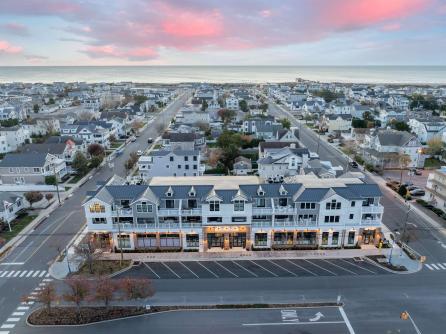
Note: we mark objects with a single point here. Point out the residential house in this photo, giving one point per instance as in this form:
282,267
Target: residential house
242,166
170,163
183,141
11,203
337,123
91,132
436,188
12,138
427,128
31,168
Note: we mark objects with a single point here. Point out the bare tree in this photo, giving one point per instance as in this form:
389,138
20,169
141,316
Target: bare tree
47,296
33,197
89,251
137,288
78,291
404,161
85,116
105,290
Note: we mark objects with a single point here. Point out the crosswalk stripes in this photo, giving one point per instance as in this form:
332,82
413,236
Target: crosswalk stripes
435,266
23,274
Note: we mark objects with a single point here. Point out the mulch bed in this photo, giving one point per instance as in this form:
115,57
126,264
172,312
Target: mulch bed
386,264
60,316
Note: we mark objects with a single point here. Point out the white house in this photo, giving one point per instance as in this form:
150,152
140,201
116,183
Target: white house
12,138
10,204
232,103
428,128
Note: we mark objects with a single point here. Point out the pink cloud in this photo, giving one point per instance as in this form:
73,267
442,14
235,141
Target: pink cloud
111,51
138,29
391,27
15,28
8,48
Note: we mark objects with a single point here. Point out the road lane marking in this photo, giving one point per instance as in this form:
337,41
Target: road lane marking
434,266
262,267
225,268
294,323
23,308
8,326
148,267
12,319
12,263
249,271
353,264
283,268
334,264
4,274
190,270
15,314
4,332
208,269
441,266
303,268
316,265
17,273
173,272
30,273
428,266
23,273
347,322
23,250
42,274
11,273
36,273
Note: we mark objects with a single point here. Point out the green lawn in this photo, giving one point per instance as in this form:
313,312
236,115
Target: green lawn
433,163
76,179
17,226
116,144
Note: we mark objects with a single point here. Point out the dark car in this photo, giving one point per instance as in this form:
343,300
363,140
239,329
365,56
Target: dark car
353,164
150,141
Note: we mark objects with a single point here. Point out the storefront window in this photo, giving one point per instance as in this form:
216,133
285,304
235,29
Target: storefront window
283,238
261,239
192,240
335,238
351,237
170,240
325,238
123,241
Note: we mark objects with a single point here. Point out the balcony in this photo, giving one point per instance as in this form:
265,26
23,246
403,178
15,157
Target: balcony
370,222
123,212
284,223
191,225
169,212
191,212
261,224
284,210
262,211
373,209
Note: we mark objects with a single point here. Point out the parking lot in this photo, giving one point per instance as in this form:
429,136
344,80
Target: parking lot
254,269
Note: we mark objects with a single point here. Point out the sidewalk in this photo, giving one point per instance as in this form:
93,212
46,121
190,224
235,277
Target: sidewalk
249,255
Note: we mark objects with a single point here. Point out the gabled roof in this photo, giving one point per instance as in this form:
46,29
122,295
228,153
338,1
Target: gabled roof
55,149
24,160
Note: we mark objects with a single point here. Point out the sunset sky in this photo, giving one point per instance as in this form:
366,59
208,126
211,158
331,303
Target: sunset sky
222,32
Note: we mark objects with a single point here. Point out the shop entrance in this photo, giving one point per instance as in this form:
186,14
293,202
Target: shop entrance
237,240
216,240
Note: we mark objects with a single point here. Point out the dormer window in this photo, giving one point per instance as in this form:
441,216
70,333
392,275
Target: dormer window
169,192
260,191
282,190
192,192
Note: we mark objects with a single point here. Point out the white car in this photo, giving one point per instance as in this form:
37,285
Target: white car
139,153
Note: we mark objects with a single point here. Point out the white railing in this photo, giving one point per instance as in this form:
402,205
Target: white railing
123,212
261,224
191,212
370,222
373,209
284,209
191,225
260,211
169,212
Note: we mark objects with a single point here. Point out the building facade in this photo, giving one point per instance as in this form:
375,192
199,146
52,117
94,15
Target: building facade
211,213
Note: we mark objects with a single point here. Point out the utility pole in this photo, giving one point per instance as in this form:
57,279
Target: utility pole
403,236
57,182
119,236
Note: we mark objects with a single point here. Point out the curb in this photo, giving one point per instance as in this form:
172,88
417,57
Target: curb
194,309
406,272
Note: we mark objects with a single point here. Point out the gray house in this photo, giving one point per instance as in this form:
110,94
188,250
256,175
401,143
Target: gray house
31,168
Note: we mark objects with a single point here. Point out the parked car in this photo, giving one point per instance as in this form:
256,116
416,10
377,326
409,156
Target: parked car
139,153
353,164
417,192
133,139
150,140
410,188
416,171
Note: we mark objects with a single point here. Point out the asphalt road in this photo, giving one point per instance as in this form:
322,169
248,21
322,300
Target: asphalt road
424,238
44,243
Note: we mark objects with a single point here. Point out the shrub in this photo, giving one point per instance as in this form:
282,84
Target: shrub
421,202
50,180
402,190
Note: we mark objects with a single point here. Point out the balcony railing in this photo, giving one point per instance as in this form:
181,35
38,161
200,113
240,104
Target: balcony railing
123,212
284,209
370,222
169,212
191,212
373,209
262,211
261,224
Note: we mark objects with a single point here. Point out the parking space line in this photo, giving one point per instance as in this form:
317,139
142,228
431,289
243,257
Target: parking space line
208,269
335,265
225,268
249,271
148,267
316,265
355,265
258,265
189,270
173,272
278,265
347,322
303,268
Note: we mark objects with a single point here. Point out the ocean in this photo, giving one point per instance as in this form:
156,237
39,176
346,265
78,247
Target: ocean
226,74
